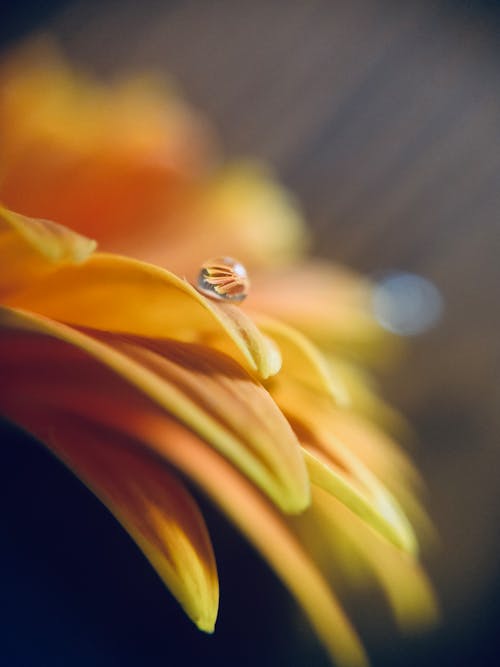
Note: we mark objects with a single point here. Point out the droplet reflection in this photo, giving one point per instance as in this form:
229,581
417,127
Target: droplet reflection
224,279
406,304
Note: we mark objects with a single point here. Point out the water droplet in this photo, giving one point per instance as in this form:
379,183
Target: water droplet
224,279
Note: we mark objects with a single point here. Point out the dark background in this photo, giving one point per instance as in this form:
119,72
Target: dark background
383,117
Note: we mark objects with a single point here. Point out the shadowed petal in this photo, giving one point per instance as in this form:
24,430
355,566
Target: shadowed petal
152,505
203,388
109,402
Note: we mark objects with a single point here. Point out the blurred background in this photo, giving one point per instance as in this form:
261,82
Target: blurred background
383,118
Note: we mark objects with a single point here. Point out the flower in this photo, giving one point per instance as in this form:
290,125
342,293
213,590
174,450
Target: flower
131,376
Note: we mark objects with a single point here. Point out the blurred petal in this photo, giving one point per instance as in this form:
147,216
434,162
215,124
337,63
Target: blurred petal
115,161
120,294
364,398
330,304
254,212
400,575
377,450
106,160
202,388
386,461
30,248
240,211
302,362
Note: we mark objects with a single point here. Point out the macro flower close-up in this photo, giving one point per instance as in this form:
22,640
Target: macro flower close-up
177,346
128,373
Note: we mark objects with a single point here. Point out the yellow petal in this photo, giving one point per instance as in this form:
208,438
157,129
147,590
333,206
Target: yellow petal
378,509
241,211
151,504
334,464
201,387
31,248
405,584
330,304
301,361
371,445
260,220
365,398
388,462
120,294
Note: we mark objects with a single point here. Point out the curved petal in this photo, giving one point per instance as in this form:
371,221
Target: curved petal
31,248
203,388
387,462
120,294
406,586
108,402
336,466
376,508
151,504
301,361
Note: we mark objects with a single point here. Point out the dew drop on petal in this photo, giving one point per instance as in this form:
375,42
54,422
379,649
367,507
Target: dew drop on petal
224,279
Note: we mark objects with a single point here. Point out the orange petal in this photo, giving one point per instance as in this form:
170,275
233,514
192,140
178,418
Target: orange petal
106,160
30,248
120,294
152,505
203,388
104,399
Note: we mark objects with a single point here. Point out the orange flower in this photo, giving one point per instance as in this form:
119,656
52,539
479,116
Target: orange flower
130,375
